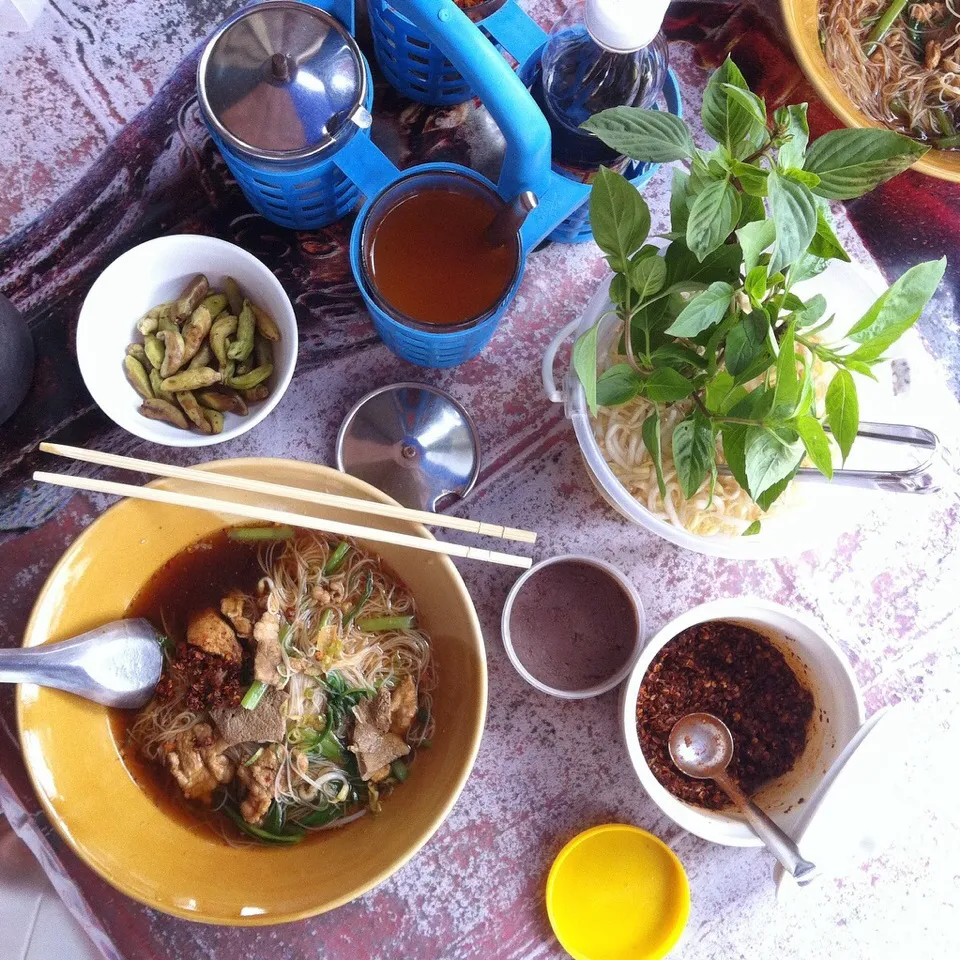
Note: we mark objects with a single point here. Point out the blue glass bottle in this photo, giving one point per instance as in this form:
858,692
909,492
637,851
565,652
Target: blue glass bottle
600,54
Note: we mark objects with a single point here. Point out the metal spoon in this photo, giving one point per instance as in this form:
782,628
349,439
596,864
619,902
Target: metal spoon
118,664
701,746
509,219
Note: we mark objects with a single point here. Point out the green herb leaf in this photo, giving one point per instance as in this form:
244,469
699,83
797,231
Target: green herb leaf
619,216
843,411
773,493
749,101
679,200
722,264
666,385
650,432
806,267
713,217
896,310
817,445
754,239
652,136
755,285
770,455
794,211
807,314
851,163
752,530
648,276
703,311
752,179
585,363
787,387
751,210
727,120
677,356
794,120
746,343
722,393
805,177
694,450
617,385
825,243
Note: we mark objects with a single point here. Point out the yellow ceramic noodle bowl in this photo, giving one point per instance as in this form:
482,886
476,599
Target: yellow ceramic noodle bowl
112,824
801,18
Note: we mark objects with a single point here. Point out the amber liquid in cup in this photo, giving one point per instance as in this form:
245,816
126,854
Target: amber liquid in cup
428,259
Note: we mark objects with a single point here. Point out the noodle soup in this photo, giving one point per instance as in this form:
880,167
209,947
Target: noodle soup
296,689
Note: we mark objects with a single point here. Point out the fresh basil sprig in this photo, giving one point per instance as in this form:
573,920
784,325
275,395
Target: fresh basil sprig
713,322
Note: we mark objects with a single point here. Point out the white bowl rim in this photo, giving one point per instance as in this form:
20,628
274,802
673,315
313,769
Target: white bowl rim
189,438
726,608
604,685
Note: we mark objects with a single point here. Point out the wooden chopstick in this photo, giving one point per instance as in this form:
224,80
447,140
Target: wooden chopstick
291,493
94,485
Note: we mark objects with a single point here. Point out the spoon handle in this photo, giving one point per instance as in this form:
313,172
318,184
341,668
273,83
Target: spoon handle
775,840
47,666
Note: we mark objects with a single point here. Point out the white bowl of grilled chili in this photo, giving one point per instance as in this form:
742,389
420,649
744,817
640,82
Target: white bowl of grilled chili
761,704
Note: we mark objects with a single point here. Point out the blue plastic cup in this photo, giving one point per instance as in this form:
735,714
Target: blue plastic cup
428,344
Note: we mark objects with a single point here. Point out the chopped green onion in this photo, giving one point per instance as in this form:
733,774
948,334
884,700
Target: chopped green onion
399,769
364,597
321,817
426,744
290,836
336,559
253,695
381,624
252,760
330,746
261,533
883,25
273,821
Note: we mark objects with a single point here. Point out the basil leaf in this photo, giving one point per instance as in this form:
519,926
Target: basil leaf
650,432
805,177
679,200
851,163
652,136
722,264
750,102
825,243
677,356
722,393
617,385
752,530
766,499
816,444
755,285
843,411
703,311
806,267
619,216
752,179
794,211
618,289
754,239
751,209
713,217
794,120
667,386
727,120
770,455
787,387
810,312
746,343
694,449
585,363
648,276
896,310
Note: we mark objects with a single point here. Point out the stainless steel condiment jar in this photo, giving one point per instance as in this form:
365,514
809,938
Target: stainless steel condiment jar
283,87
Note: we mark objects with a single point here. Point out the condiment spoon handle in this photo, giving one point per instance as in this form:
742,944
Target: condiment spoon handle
775,840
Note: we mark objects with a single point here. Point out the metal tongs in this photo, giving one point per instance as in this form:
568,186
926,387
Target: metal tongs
920,478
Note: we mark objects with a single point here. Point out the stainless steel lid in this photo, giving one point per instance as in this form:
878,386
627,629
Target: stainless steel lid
413,442
282,80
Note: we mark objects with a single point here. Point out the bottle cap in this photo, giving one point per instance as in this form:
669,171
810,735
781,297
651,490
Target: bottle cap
624,26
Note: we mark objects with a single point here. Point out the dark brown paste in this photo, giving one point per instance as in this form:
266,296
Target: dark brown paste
738,675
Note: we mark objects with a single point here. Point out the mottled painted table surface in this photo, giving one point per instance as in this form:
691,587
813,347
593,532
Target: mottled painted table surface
86,175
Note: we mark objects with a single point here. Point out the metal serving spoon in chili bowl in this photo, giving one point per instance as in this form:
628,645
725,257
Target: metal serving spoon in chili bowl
117,665
701,746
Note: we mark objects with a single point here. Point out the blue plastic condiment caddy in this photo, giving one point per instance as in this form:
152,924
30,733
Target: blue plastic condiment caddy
317,182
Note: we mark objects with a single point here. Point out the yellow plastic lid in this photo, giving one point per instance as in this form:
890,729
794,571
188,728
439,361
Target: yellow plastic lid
616,892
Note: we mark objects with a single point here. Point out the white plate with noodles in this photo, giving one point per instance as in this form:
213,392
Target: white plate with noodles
623,473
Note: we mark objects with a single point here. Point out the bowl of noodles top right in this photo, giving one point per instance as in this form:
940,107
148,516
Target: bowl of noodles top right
908,82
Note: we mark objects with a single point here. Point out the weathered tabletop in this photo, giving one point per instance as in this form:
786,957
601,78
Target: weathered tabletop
99,176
